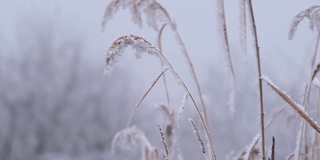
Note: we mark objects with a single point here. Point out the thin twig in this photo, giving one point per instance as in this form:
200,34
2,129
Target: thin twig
144,95
273,149
260,80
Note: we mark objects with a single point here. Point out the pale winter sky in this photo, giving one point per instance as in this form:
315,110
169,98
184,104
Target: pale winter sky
196,23
273,19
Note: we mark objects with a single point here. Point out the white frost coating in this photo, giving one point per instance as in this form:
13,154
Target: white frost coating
312,13
276,88
155,14
181,109
153,11
243,28
267,79
226,49
115,5
296,106
128,138
197,134
250,147
140,46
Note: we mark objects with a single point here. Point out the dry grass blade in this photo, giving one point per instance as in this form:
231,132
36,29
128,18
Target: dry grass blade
160,35
226,47
197,134
293,104
160,48
145,94
166,153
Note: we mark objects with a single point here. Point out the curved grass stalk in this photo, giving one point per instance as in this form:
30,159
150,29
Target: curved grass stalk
144,95
154,13
164,75
140,45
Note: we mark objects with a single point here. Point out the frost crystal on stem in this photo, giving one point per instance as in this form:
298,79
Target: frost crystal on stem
292,103
139,44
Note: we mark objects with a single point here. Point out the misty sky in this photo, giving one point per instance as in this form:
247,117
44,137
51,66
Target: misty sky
196,23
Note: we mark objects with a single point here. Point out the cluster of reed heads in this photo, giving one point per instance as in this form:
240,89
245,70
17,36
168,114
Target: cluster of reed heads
158,18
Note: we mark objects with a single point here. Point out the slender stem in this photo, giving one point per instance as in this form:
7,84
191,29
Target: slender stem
308,90
214,157
205,125
315,52
213,154
185,52
164,75
260,82
186,55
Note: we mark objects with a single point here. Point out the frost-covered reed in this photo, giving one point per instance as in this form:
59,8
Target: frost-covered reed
158,18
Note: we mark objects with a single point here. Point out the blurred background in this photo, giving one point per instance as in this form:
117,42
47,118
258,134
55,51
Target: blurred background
57,104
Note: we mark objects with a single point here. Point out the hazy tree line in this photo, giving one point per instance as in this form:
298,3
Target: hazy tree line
52,100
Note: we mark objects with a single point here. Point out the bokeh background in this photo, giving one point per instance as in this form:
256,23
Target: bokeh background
57,104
